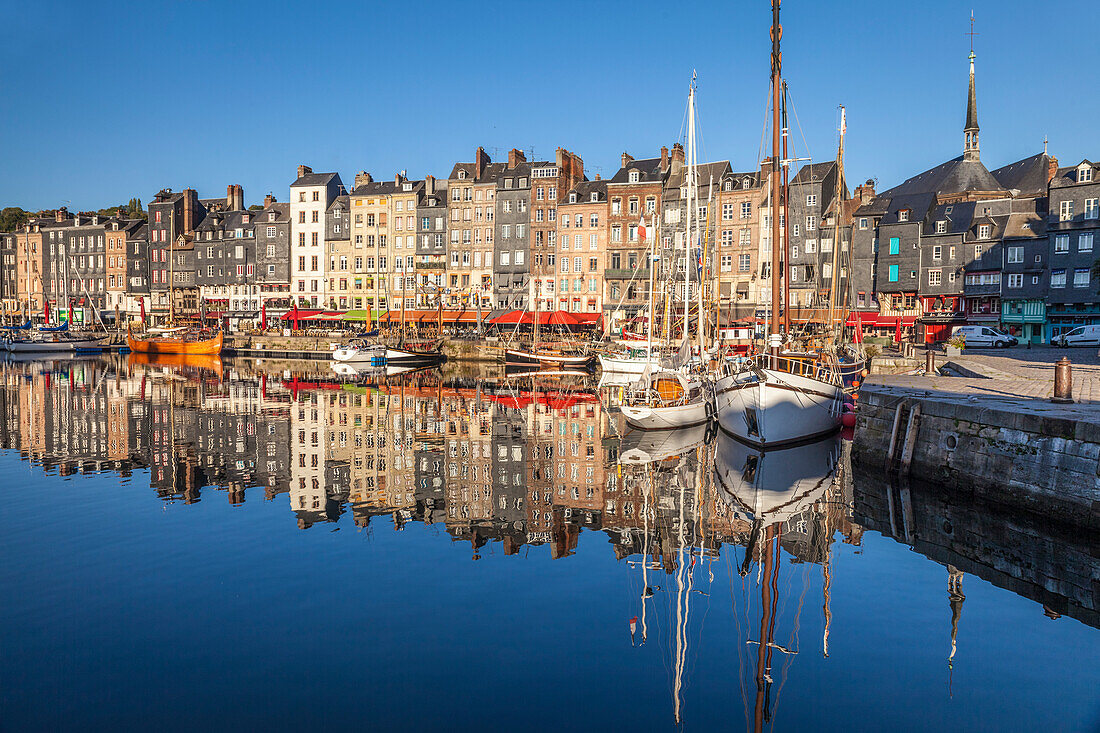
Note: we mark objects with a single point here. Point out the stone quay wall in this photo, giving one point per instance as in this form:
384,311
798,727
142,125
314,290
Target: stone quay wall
1039,458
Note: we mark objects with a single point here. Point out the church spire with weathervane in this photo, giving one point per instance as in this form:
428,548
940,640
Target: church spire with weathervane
970,132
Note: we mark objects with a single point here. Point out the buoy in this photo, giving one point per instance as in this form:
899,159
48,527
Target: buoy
848,419
855,395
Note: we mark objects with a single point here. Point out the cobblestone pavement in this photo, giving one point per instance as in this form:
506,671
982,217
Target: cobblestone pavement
1011,373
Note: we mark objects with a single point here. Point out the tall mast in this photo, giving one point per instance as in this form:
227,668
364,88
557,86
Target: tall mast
775,330
690,202
834,293
649,266
786,225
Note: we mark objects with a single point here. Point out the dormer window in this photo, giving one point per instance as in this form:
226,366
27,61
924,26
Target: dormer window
271,216
595,196
572,198
244,218
903,215
745,183
1084,174
406,187
461,175
984,231
727,186
634,176
941,227
986,210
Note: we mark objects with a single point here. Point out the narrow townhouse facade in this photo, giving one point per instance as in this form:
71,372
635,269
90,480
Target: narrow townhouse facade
738,207
680,258
118,232
172,219
551,268
403,203
472,208
340,258
9,293
225,264
582,237
633,192
1024,274
311,195
512,246
813,208
431,246
273,256
138,271
1072,230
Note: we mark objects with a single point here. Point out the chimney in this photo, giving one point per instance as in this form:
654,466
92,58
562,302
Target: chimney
515,157
677,158
303,170
234,198
397,179
362,178
1052,168
625,159
664,158
597,176
189,197
865,192
59,215
429,184
268,200
481,159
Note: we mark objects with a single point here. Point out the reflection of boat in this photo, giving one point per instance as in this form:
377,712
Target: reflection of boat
647,446
419,353
182,341
211,362
770,486
358,370
548,357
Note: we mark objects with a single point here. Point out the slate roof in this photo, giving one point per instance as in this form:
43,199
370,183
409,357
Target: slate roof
706,172
813,173
955,176
585,189
649,170
1028,176
1067,176
315,179
491,173
343,201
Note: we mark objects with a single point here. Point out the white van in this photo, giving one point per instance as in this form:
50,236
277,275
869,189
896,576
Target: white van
984,336
1080,336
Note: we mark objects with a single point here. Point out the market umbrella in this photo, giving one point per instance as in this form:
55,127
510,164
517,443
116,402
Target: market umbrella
263,315
295,316
141,303
70,313
897,331
47,312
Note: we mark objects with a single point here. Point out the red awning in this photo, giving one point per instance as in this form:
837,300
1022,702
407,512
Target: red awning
302,315
430,316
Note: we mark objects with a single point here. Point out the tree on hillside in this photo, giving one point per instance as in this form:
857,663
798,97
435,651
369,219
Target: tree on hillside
136,210
11,218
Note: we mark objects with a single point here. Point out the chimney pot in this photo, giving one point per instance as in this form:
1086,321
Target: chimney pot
429,184
303,170
625,159
597,176
268,200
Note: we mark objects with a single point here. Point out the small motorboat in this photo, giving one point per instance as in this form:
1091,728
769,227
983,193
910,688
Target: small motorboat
358,351
667,399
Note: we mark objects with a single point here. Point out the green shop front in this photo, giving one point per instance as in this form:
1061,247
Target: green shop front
1024,319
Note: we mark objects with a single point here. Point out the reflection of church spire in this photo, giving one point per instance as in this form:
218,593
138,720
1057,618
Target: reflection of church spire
955,597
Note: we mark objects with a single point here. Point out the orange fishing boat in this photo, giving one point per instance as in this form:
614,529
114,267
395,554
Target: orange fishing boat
185,342
209,362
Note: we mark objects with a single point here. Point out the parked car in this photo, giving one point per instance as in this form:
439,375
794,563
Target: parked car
1080,336
984,336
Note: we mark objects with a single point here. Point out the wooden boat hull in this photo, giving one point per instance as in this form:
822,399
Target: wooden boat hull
62,346
408,356
777,408
210,362
169,345
515,356
626,365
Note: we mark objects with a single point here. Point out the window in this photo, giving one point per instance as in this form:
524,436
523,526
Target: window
1057,278
744,262
794,273
941,227
903,215
1091,210
1061,244
811,200
746,209
634,176
271,231
984,231
727,212
1081,278
505,258
937,252
811,223
1015,280
1015,255
895,245
1084,174
977,251
863,222
934,277
811,245
1065,210
893,277
1084,242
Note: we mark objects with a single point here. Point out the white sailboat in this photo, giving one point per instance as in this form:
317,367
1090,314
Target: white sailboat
776,399
671,397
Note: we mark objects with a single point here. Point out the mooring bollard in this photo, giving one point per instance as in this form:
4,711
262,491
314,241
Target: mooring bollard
929,363
1063,382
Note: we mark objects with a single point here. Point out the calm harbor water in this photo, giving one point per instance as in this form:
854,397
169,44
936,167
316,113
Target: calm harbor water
227,544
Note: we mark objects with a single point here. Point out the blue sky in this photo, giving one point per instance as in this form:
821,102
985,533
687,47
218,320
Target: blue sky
112,100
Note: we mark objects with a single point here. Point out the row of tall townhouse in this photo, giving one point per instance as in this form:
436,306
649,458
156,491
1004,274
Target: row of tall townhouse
955,244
